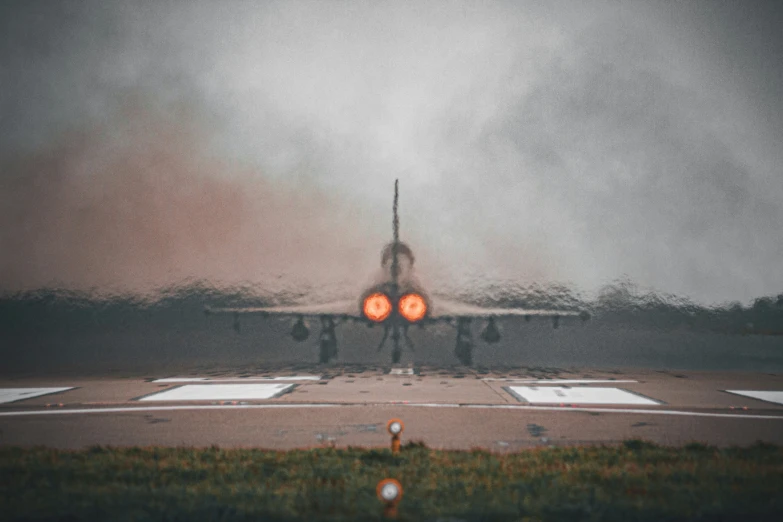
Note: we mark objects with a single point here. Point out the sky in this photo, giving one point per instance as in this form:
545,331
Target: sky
149,143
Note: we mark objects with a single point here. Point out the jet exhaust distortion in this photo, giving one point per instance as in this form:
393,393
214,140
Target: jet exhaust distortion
397,302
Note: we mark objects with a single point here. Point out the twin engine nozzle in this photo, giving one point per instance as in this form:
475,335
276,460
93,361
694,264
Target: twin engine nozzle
378,307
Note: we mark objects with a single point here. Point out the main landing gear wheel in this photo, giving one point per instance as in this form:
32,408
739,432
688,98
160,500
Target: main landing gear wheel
396,349
328,342
464,352
325,352
464,348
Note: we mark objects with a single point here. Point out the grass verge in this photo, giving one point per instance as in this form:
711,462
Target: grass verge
633,481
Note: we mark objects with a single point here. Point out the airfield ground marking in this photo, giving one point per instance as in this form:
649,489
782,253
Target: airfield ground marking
772,396
8,395
520,407
559,381
239,379
401,371
561,395
219,392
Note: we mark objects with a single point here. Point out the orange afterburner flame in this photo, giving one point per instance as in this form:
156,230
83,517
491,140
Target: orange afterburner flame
412,307
377,307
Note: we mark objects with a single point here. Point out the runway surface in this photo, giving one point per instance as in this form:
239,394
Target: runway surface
501,410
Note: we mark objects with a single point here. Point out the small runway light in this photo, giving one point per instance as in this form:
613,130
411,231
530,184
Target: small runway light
395,427
389,492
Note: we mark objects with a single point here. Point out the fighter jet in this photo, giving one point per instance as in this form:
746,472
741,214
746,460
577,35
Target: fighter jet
397,301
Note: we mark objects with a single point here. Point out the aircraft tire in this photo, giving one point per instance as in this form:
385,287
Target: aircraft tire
325,353
396,356
464,353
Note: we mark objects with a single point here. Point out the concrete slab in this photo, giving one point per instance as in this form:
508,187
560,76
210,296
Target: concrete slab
351,406
705,389
220,392
396,388
358,425
94,392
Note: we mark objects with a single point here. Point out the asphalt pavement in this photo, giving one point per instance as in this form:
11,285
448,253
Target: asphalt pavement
444,407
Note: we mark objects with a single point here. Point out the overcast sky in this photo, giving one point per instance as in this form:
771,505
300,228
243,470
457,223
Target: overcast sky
146,143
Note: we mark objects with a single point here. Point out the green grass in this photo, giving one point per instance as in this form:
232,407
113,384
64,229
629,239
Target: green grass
634,481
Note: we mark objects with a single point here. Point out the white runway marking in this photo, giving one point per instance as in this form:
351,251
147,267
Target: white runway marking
220,392
186,407
560,381
20,394
558,395
240,379
769,396
401,371
519,407
624,410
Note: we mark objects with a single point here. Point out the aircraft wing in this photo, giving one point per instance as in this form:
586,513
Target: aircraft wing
346,308
446,310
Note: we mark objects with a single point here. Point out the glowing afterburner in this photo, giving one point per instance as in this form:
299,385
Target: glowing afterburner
377,307
412,307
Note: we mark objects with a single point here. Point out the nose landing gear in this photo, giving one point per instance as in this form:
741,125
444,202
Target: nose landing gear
327,341
396,336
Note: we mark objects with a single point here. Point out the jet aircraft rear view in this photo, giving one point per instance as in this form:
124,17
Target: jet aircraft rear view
397,302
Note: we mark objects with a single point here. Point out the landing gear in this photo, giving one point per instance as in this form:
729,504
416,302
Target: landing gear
326,351
328,341
396,354
385,336
396,336
397,350
464,348
408,340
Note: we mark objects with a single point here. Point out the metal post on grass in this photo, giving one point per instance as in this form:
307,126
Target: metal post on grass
389,492
395,428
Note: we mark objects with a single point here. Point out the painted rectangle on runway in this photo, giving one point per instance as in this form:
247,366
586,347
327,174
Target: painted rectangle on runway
240,379
19,394
560,381
768,396
563,395
220,392
401,371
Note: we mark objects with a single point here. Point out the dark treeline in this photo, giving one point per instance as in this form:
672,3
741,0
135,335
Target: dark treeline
618,303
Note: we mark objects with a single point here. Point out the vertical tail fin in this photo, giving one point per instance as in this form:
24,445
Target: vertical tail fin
395,266
395,270
396,222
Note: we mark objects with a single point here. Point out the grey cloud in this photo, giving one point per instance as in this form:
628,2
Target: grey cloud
557,142
630,158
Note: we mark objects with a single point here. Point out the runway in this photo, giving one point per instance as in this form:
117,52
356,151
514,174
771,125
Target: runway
349,406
